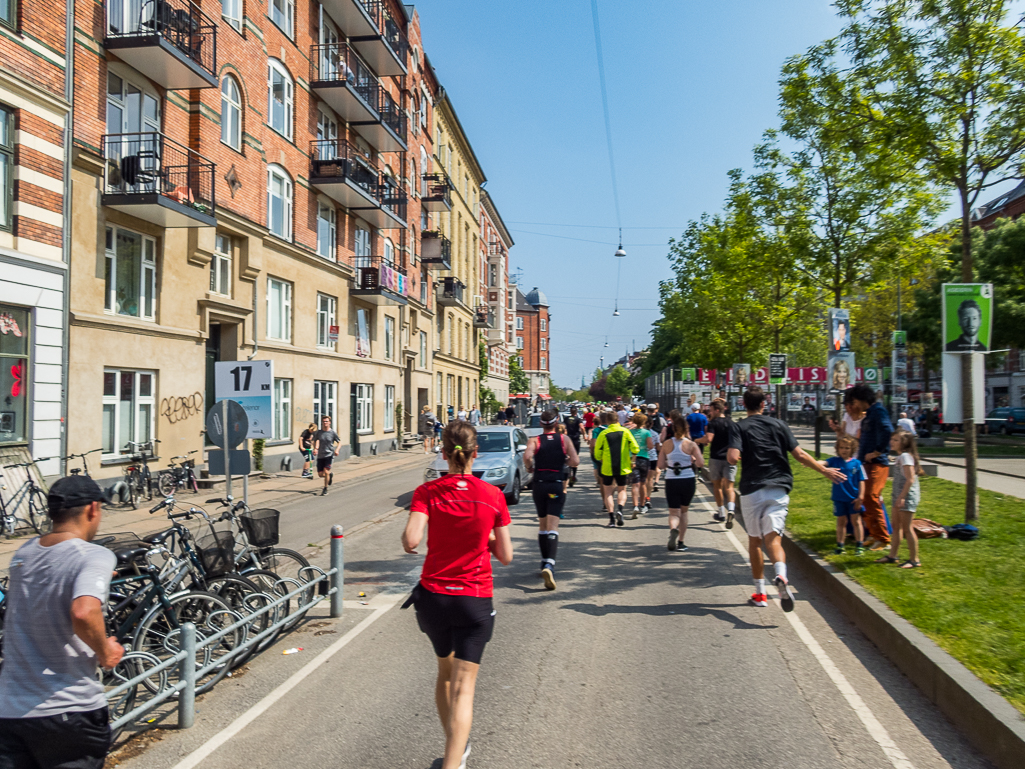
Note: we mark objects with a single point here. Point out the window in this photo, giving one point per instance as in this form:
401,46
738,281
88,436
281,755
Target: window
15,364
279,310
327,328
423,349
493,275
220,267
544,343
6,164
231,12
129,408
519,343
282,409
389,407
363,321
279,202
389,338
129,108
361,244
130,273
364,408
519,360
519,324
326,230
544,363
282,12
544,324
279,98
389,251
231,112
324,401
9,13
441,390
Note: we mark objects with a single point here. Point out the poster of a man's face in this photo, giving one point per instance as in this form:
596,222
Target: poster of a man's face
839,330
967,317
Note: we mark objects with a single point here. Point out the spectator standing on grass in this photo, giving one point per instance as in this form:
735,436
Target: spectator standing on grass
53,711
850,424
848,496
873,445
906,496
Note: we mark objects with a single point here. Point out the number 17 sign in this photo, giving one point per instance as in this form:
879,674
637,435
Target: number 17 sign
250,383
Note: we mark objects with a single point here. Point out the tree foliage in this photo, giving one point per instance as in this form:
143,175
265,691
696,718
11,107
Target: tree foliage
518,382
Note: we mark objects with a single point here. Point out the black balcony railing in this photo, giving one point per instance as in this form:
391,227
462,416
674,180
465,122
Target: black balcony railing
150,163
390,113
337,159
337,62
179,22
375,272
453,289
436,192
483,317
392,197
435,249
389,28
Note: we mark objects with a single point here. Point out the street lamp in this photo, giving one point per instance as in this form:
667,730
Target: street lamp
619,251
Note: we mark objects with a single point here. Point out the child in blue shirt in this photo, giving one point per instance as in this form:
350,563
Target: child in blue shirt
848,496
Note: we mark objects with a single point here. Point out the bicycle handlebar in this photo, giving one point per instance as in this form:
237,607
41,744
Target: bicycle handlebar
161,504
28,464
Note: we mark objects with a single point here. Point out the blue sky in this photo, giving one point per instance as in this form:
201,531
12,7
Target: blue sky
691,87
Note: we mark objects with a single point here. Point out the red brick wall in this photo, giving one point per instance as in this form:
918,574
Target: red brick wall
44,23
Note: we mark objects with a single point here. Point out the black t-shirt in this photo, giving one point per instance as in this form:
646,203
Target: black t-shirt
306,439
658,422
573,426
765,444
721,428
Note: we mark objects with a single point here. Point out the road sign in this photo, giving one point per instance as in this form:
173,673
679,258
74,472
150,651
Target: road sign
231,432
239,458
251,384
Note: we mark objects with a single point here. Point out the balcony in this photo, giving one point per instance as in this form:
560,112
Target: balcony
483,317
379,282
435,250
376,35
171,42
450,292
437,191
156,179
341,172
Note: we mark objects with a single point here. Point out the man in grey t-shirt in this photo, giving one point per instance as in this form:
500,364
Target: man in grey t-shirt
53,712
325,445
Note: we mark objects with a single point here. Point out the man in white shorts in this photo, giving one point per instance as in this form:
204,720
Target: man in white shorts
721,472
763,442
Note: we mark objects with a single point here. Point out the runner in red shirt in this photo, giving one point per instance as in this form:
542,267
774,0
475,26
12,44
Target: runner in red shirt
467,522
588,422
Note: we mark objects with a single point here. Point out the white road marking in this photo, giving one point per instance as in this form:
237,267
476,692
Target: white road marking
875,729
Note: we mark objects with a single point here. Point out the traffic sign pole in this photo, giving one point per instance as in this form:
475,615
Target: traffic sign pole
227,451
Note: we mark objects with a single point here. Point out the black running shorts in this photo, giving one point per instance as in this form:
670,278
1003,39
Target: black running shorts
679,492
619,479
549,497
68,741
324,463
640,472
455,623
575,440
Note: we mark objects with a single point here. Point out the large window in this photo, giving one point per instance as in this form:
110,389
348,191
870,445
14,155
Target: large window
389,407
423,349
327,328
544,343
389,338
519,343
279,310
282,13
544,324
282,409
519,324
324,401
14,368
326,230
279,202
220,266
361,242
544,363
231,12
130,273
6,164
364,408
129,408
280,94
231,111
441,390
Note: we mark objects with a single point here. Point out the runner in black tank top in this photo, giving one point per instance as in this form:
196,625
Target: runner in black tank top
547,455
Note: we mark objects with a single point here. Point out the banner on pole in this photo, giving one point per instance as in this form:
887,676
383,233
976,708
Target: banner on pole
777,369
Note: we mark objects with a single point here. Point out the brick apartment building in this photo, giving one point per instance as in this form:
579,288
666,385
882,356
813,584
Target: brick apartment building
533,327
251,182
495,243
35,108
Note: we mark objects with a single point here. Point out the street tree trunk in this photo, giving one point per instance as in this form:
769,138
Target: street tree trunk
971,448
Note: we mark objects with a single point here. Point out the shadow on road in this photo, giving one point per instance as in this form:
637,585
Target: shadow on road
665,610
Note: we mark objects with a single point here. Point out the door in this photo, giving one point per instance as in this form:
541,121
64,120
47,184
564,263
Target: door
407,399
353,434
213,355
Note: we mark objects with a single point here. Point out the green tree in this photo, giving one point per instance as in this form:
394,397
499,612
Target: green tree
619,383
518,382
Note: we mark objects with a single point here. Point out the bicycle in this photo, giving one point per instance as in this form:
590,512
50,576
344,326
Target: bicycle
183,475
138,478
29,493
84,469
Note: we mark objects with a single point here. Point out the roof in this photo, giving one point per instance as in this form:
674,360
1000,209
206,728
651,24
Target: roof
521,303
496,219
1000,202
537,298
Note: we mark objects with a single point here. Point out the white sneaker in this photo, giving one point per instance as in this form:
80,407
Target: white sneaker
636,512
466,753
786,598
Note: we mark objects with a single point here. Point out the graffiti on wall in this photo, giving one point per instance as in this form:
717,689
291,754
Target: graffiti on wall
180,408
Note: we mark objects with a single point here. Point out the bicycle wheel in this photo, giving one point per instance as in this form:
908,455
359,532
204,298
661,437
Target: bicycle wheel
271,585
246,597
283,562
159,632
39,512
193,483
133,664
166,484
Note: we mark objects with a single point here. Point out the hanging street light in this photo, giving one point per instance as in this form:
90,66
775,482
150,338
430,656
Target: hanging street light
619,251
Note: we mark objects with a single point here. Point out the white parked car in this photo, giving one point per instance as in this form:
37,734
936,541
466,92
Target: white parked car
499,461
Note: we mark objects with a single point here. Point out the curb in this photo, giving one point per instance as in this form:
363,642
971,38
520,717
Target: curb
985,718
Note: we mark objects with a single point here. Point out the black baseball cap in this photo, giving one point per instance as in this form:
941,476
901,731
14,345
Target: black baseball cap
73,491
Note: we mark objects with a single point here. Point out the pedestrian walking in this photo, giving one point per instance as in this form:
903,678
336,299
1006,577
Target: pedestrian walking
906,496
326,444
510,414
426,427
461,414
306,448
679,457
720,471
849,496
906,424
697,425
873,445
765,484
547,456
574,428
642,464
53,711
467,522
615,449
474,416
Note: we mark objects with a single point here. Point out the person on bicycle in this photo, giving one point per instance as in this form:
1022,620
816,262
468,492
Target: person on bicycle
306,448
53,711
326,443
467,522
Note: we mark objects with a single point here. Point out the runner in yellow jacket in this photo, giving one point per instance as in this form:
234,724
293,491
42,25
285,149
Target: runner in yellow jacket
615,449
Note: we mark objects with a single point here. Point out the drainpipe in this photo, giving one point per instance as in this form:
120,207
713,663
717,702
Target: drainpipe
69,129
256,341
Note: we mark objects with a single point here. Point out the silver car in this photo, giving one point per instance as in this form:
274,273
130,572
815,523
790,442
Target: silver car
499,461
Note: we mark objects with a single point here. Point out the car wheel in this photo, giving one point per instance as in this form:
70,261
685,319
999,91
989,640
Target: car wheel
513,495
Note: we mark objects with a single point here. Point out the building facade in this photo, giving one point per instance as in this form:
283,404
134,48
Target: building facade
35,109
533,329
495,242
251,185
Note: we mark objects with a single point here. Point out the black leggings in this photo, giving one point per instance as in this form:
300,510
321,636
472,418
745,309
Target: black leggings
455,623
679,492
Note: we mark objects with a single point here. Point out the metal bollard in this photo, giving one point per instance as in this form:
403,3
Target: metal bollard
187,672
337,563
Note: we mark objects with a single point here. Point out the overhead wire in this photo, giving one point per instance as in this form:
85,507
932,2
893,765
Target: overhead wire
605,108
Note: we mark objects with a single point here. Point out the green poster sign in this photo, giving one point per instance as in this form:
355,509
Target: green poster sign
967,317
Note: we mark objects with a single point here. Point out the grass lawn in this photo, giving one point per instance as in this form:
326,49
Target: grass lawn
968,597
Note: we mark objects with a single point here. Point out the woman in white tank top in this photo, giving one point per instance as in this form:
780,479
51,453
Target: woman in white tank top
679,457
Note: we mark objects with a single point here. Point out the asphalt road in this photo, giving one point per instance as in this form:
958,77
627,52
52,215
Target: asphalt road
641,658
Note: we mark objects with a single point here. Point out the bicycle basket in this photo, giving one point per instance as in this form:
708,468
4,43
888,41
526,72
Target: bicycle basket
122,540
261,526
216,552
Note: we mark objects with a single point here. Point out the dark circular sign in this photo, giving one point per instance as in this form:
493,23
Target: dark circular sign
236,427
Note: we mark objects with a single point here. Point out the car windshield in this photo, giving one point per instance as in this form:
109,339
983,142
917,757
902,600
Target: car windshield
535,421
493,443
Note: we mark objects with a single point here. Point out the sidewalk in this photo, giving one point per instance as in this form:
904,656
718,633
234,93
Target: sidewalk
271,491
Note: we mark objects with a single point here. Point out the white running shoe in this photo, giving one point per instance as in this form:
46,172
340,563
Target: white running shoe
786,598
466,753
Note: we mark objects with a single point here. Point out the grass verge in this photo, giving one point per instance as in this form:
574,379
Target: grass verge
967,597
994,452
